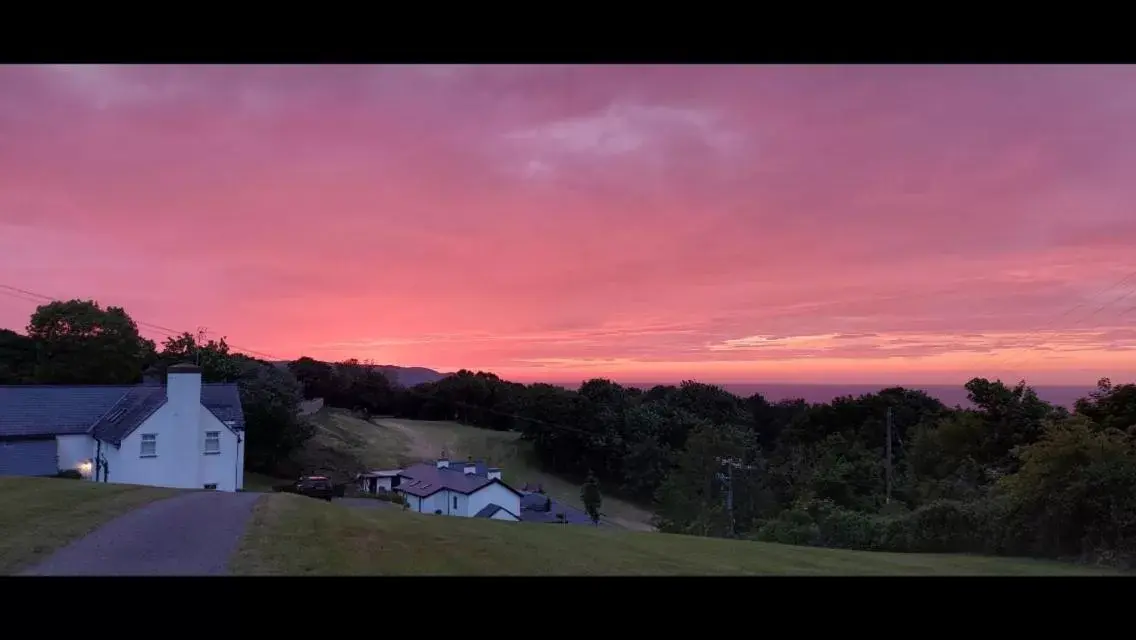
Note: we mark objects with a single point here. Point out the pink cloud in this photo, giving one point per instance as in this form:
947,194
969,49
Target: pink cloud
543,221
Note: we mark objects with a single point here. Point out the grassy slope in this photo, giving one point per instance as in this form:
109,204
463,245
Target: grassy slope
40,515
297,536
344,445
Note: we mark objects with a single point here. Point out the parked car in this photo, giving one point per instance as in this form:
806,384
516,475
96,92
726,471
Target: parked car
315,487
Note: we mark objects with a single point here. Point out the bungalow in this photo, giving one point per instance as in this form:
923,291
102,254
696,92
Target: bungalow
185,434
537,507
470,490
379,480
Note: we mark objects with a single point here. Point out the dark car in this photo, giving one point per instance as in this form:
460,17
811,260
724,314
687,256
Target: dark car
316,487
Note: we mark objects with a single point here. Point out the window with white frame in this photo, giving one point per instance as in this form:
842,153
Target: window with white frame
149,445
212,442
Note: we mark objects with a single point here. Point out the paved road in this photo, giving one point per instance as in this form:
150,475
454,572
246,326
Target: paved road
190,534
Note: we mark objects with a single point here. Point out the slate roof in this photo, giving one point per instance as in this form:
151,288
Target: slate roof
532,505
109,413
426,479
490,509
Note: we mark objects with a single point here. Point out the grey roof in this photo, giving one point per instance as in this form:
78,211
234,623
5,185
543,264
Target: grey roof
129,413
110,413
490,509
534,501
426,479
532,510
381,473
28,458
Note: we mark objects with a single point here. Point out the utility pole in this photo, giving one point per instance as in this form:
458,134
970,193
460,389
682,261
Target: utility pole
202,332
727,479
887,496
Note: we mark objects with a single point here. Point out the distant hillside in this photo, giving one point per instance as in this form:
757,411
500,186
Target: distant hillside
411,376
402,376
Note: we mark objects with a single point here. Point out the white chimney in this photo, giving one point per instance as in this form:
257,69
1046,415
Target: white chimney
183,389
494,474
443,463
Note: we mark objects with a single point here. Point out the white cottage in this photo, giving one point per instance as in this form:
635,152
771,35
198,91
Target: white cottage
184,434
469,490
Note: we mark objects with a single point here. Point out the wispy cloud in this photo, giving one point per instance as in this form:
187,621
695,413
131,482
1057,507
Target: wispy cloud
621,130
923,223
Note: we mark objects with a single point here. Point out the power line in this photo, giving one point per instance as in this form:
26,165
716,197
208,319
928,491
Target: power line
1050,326
32,296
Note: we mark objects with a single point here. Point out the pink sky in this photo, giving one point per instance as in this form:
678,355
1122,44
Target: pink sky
842,224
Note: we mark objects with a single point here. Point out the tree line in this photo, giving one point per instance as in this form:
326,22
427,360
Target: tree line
1012,474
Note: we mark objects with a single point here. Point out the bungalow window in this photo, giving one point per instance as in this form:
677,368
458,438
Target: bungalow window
212,442
149,445
455,502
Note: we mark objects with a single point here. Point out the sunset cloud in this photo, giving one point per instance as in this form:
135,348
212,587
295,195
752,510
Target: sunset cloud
734,223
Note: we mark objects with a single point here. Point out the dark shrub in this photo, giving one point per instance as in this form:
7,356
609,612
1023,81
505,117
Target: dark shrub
70,474
388,496
338,490
846,529
437,512
791,526
944,526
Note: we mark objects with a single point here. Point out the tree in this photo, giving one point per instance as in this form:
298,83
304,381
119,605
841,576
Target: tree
270,397
317,378
1111,406
216,362
590,496
1073,494
692,500
79,342
17,358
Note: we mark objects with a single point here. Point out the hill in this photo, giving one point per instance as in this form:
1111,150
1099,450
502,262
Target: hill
401,376
345,445
291,535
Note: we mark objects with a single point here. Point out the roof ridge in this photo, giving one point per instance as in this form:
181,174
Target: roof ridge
136,385
114,407
69,386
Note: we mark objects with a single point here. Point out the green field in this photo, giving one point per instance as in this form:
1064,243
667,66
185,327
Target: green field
291,535
40,515
345,445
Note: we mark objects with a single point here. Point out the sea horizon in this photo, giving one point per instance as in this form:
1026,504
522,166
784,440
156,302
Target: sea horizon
949,394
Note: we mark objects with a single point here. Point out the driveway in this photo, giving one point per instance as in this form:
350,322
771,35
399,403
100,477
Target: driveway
190,534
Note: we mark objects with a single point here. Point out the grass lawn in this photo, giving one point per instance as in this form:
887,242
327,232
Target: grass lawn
345,445
262,483
293,535
40,515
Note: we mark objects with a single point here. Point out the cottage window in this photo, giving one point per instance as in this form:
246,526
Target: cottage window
149,445
212,442
455,502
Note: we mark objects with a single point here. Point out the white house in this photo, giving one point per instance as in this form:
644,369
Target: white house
184,434
469,490
378,480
